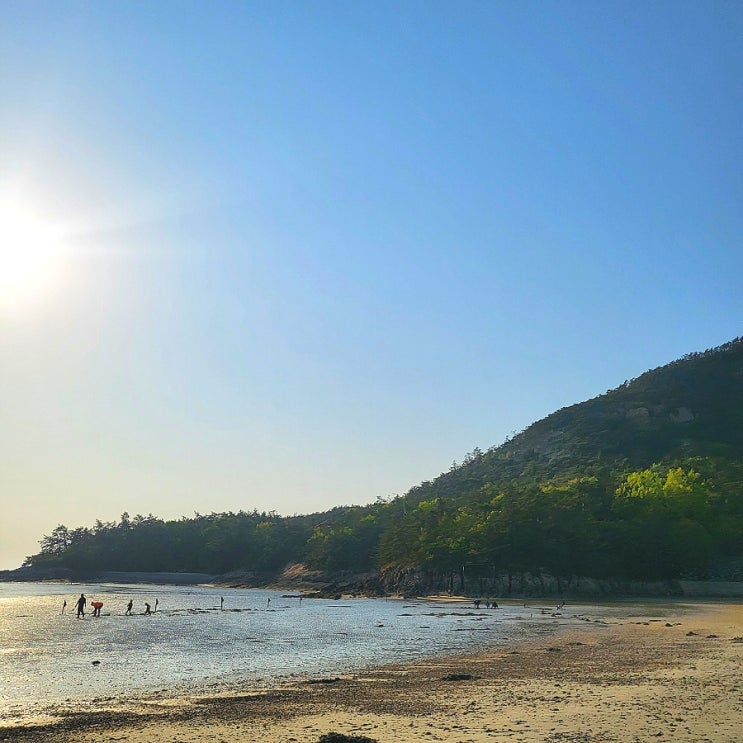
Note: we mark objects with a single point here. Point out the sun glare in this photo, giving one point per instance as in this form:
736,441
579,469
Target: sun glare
29,255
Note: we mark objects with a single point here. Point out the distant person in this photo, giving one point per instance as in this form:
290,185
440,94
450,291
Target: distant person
129,607
147,609
97,606
157,601
268,603
221,603
64,605
80,606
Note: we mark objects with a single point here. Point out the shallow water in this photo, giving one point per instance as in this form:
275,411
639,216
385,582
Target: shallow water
47,656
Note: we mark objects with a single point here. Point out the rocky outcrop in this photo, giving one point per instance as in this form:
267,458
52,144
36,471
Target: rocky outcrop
31,574
682,415
408,582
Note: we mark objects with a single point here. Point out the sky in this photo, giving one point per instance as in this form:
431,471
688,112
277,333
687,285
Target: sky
294,255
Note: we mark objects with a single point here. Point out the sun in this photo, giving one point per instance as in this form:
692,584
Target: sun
29,255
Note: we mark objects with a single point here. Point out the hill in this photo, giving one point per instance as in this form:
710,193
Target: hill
692,407
644,482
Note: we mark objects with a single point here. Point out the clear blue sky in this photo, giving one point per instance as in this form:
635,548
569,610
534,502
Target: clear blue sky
308,253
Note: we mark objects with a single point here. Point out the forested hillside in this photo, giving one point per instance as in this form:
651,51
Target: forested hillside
643,482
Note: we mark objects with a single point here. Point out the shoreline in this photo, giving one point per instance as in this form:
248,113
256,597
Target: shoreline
631,679
332,586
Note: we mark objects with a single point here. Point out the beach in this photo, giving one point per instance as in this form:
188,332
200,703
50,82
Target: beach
679,677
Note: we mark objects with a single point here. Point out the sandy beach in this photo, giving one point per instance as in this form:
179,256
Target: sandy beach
677,678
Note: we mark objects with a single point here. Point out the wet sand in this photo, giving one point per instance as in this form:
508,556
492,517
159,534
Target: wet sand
679,678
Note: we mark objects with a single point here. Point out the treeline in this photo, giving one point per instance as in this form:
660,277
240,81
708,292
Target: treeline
214,543
680,519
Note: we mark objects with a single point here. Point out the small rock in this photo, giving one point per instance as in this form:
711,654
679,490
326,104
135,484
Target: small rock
341,738
458,677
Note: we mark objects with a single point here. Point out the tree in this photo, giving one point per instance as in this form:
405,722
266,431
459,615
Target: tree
57,542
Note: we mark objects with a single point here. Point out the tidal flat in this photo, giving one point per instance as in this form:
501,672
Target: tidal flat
261,663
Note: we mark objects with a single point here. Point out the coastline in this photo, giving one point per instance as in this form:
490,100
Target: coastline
320,584
678,678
